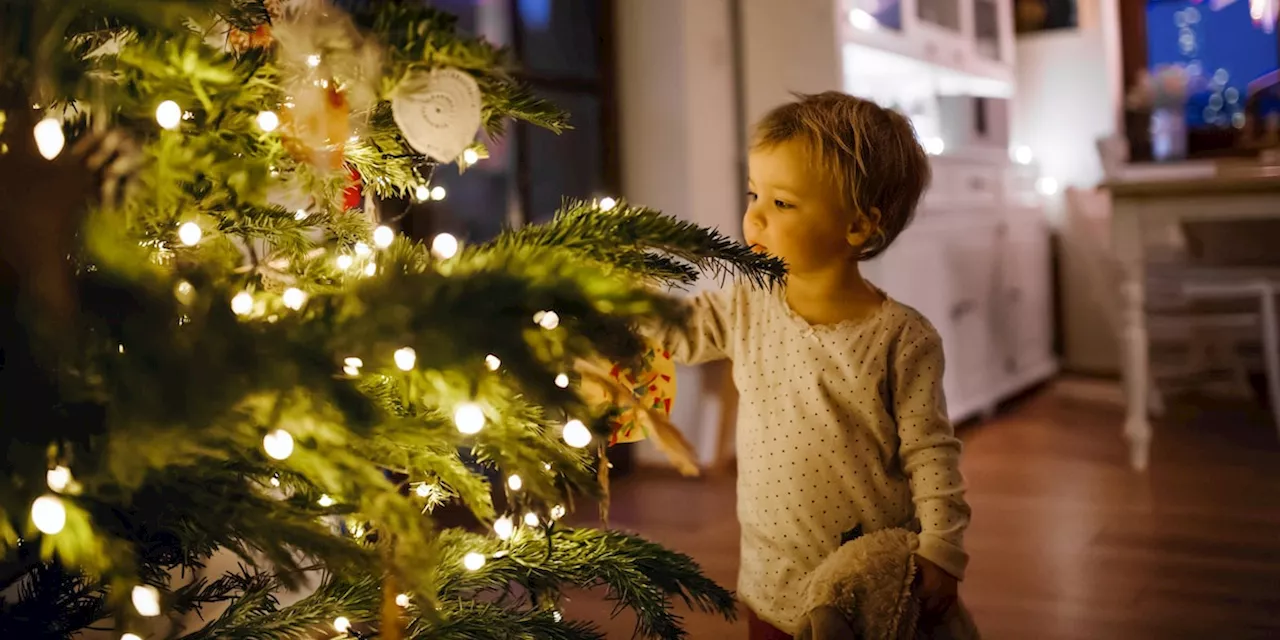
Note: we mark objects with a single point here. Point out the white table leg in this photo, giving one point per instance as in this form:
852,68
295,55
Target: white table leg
1137,371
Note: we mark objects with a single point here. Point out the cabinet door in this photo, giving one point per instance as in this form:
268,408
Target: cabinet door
971,270
1027,317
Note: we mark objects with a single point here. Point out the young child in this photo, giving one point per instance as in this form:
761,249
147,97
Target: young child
842,425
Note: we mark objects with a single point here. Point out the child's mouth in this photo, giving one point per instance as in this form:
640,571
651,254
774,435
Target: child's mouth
759,248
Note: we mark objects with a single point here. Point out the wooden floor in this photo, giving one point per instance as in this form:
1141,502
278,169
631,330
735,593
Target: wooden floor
1066,542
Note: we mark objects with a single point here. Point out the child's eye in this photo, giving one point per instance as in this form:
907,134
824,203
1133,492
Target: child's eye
782,205
751,195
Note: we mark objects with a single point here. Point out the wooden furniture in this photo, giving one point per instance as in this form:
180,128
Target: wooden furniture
1148,211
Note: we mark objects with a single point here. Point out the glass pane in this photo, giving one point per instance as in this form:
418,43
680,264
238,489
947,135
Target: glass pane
943,13
868,14
560,37
569,165
476,204
487,18
986,25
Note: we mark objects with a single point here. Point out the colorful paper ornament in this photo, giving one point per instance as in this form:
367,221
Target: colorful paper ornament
654,387
438,111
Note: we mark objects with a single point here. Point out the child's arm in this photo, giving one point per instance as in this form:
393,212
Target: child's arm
929,449
704,334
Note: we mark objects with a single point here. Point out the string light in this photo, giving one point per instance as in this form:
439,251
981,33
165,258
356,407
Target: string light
268,121
342,624
371,269
469,418
402,600
405,358
470,157
48,514
548,320
422,193
383,236
242,303
438,193
557,512
423,490
607,204
362,249
278,444
146,599
493,362
345,261
294,298
184,292
557,616
169,114
130,636
49,138
351,366
444,246
190,233
313,60
562,381
58,478
576,434
515,483
473,561
531,519
325,501
504,528
275,480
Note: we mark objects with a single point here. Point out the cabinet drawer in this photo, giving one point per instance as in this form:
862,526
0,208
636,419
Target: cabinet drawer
975,185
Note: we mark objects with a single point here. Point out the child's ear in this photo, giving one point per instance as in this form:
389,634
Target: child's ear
860,228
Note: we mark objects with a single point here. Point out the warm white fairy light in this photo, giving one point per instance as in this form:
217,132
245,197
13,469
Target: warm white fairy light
301,214
294,298
546,465
562,381
383,236
342,624
405,358
58,478
242,303
473,561
557,512
423,490
531,519
444,246
146,599
184,292
48,514
438,193
371,269
422,193
130,636
557,616
576,434
362,249
469,418
268,121
190,233
351,366
169,114
607,204
548,320
275,480
470,157
504,528
515,482
278,444
313,60
325,501
402,600
493,362
49,138
345,261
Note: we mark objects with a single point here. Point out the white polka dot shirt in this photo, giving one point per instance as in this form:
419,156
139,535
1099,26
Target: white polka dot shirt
839,426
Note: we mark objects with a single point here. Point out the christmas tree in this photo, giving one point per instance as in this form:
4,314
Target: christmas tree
211,347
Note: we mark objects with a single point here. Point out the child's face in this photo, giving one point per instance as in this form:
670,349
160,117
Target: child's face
792,213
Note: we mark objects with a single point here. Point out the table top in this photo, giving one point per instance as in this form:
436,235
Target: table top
1196,178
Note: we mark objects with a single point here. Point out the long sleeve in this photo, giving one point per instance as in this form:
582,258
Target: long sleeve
928,447
704,334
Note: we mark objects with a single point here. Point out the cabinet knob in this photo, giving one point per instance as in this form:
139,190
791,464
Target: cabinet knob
962,308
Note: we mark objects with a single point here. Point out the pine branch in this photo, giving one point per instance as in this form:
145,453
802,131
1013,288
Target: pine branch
482,621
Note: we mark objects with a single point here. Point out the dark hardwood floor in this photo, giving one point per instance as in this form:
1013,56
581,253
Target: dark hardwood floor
1066,542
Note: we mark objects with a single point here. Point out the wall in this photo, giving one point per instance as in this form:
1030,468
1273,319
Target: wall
788,47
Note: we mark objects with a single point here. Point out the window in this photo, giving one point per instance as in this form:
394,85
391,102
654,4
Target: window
564,49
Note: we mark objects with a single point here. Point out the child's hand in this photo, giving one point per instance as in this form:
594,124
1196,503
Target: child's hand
935,587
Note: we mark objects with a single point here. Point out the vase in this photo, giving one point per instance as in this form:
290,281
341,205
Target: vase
1169,134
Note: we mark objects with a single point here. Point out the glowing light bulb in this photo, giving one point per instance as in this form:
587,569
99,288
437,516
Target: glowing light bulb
515,483
576,434
48,514
371,269
146,599
405,358
313,60
1022,154
422,193
169,114
402,600
1047,186
190,234
607,204
423,490
493,362
325,501
353,362
473,561
275,481
531,519
438,193
58,478
933,146
362,249
444,246
130,636
470,157
342,624
49,138
242,303
268,121
504,528
294,298
549,320
562,381
345,261
557,512
469,418
383,236
278,444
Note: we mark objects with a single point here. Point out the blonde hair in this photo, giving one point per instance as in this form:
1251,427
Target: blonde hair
867,153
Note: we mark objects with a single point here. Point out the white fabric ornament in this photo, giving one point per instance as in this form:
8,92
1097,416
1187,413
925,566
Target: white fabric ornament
438,111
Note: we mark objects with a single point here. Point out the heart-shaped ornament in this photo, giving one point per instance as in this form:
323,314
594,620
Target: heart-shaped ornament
438,111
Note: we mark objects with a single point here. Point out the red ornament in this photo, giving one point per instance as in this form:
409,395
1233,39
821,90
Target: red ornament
353,195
